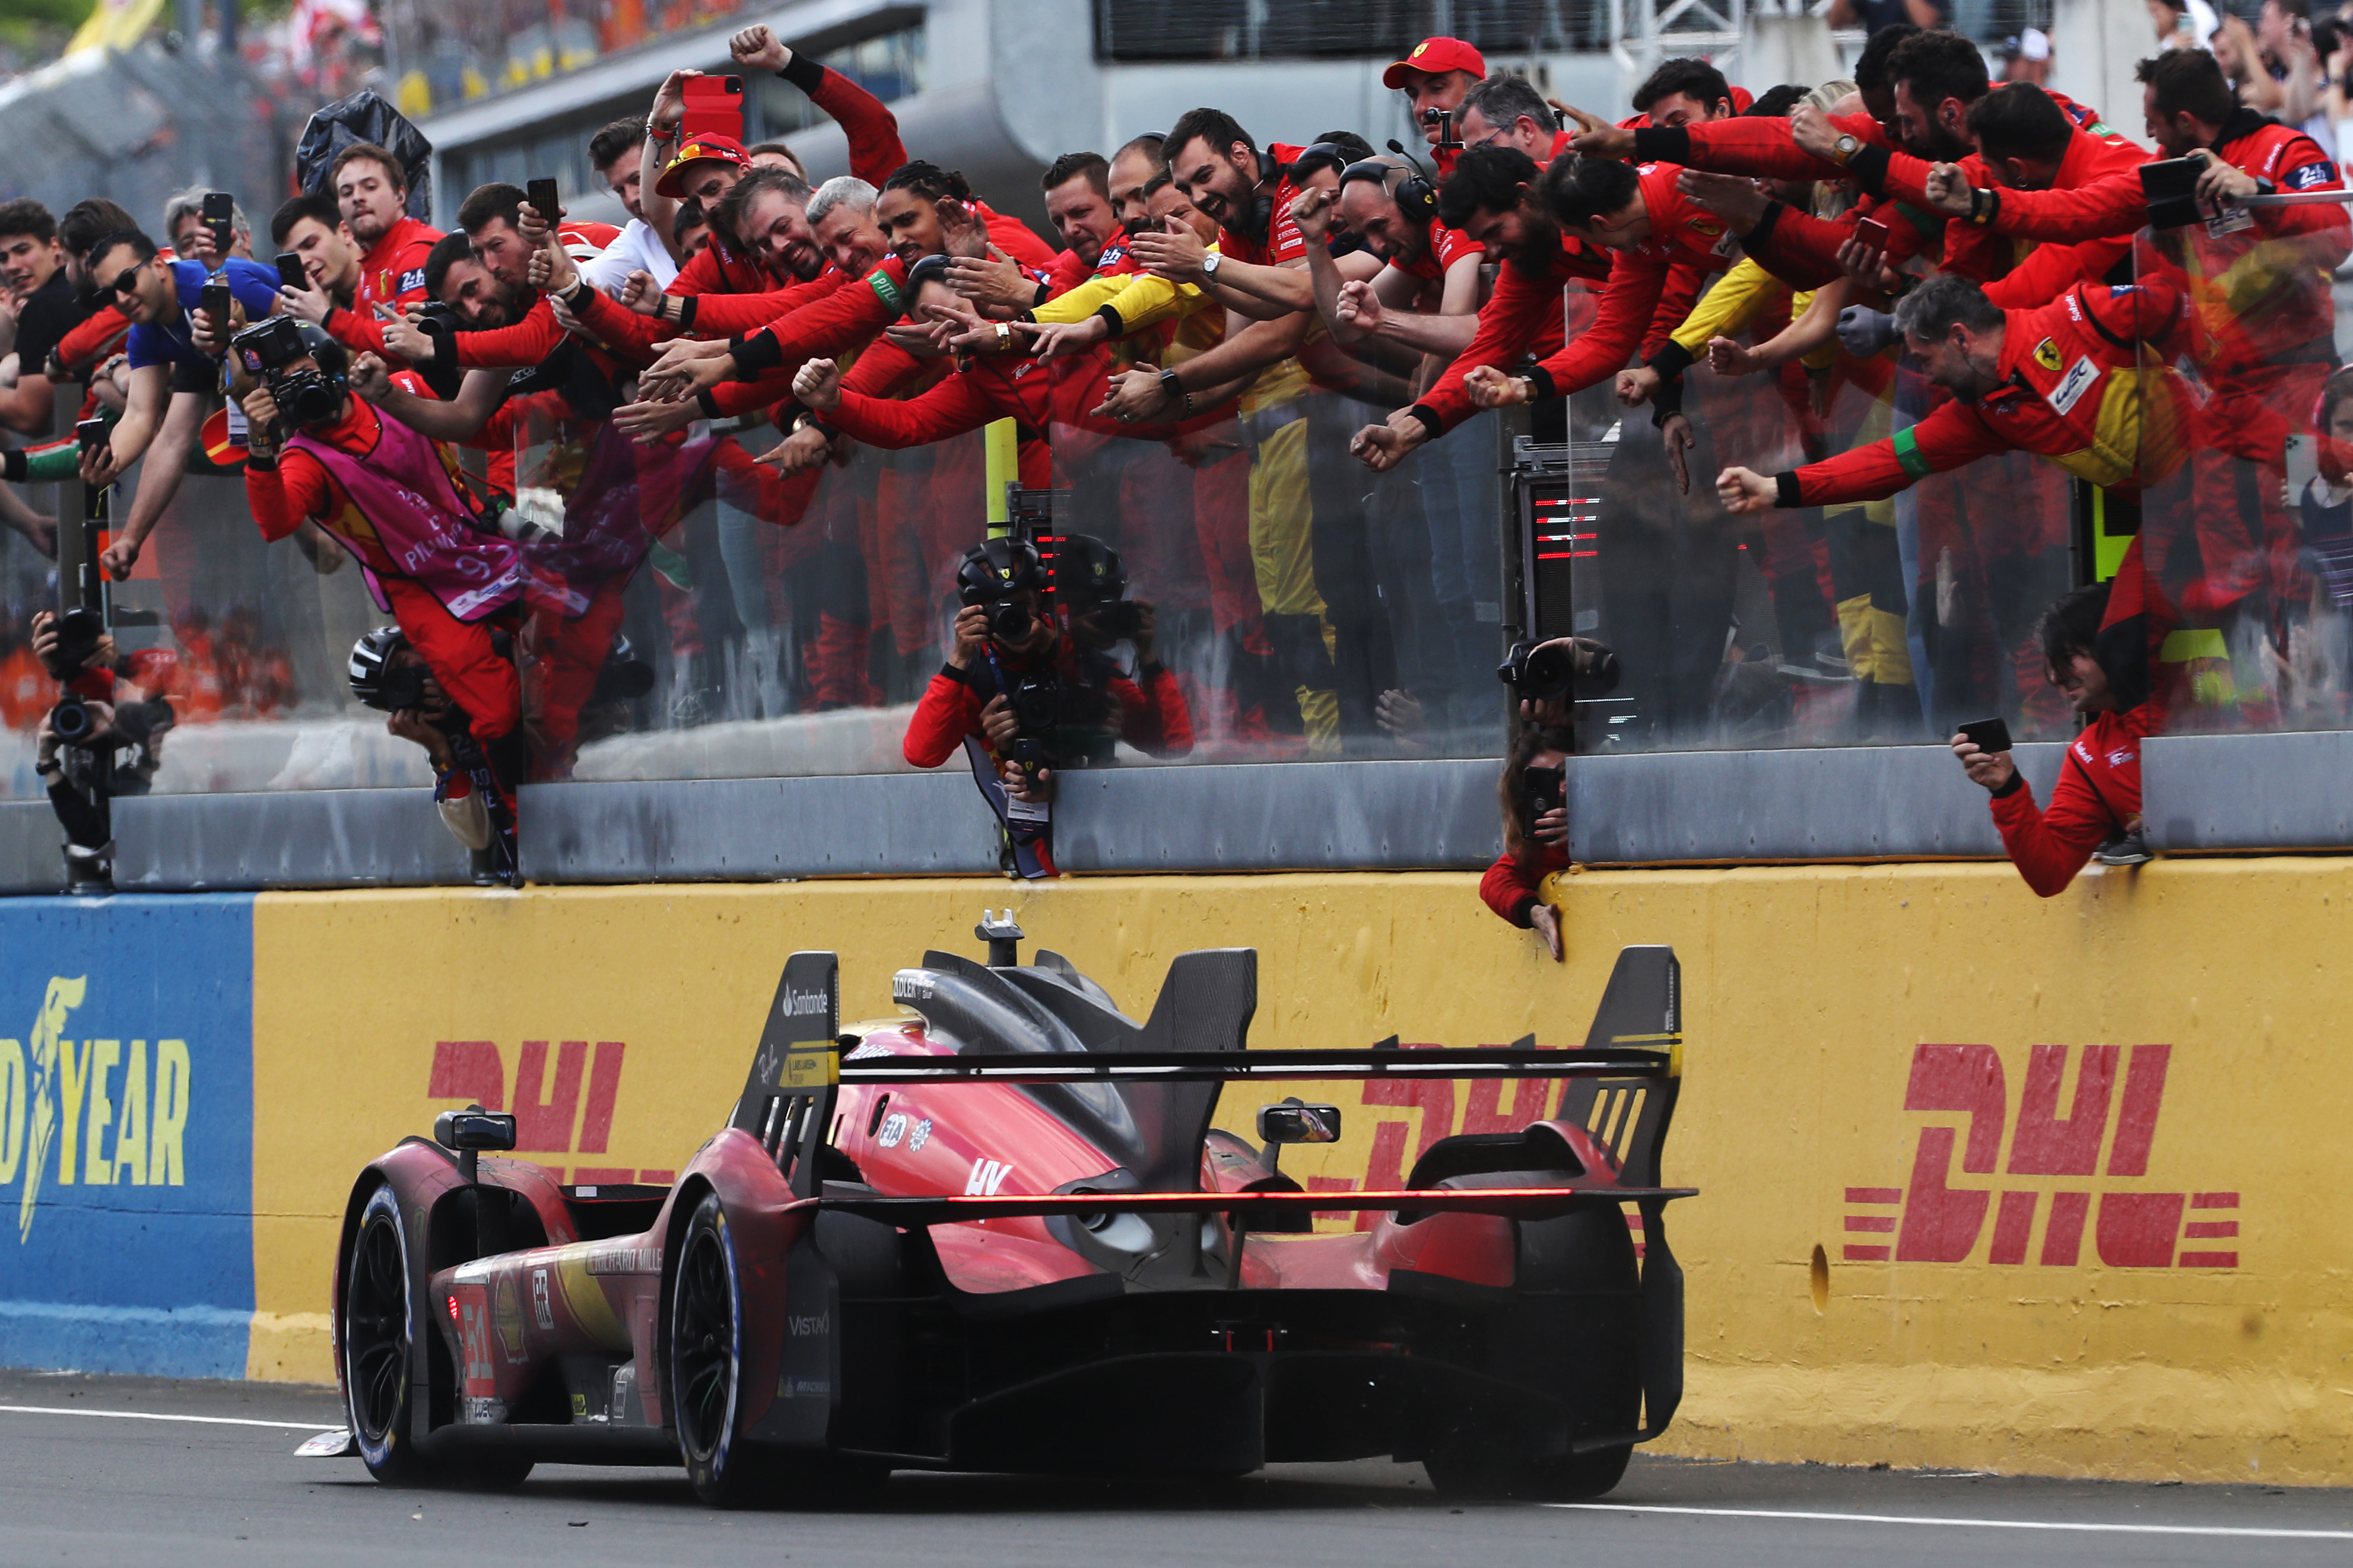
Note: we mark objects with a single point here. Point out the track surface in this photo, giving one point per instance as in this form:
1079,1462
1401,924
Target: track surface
81,1487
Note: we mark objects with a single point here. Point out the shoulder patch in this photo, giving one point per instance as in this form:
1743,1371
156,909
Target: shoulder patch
2078,380
2312,176
885,289
412,279
2046,355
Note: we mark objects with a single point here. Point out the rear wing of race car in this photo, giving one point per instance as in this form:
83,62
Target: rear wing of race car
1602,1141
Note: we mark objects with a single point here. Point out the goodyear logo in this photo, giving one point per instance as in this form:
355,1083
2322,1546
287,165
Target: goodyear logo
110,1112
2046,355
885,289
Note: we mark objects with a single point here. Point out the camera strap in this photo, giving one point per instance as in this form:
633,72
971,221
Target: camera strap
1029,825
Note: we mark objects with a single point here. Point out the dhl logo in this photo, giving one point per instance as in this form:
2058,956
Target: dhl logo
550,1114
2072,1160
63,1095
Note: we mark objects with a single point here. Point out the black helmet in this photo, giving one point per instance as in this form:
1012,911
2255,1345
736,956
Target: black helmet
371,656
999,567
1087,573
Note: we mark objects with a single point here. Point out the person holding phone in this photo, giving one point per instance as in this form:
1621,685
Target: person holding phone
2094,810
1535,835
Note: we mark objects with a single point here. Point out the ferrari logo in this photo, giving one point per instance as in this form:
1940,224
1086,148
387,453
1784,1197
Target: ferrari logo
1419,50
2046,355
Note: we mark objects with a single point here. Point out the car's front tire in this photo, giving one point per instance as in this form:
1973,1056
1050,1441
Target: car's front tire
377,1332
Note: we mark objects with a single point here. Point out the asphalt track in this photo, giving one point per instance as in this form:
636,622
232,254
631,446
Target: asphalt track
142,1471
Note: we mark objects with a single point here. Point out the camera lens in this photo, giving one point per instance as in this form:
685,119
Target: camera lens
70,722
1008,622
1547,673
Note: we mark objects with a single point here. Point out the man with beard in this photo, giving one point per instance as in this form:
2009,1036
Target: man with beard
373,194
1491,200
313,228
491,219
1133,169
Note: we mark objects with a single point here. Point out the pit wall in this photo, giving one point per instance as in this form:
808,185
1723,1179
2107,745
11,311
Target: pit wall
1986,1181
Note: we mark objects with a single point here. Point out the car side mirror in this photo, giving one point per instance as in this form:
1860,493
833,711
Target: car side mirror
474,1129
1296,1123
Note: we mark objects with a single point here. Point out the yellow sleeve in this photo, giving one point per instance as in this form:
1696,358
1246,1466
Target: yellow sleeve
1141,300
1731,305
1077,304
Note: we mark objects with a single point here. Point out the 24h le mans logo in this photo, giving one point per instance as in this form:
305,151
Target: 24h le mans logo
64,1095
1939,1217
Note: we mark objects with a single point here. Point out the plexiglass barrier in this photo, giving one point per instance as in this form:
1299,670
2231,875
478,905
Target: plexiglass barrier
690,609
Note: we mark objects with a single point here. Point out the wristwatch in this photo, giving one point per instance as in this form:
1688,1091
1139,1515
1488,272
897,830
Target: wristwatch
1210,263
1171,388
1845,147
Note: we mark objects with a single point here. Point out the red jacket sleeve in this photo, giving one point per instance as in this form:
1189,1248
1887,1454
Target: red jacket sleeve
949,710
871,130
725,315
2050,847
620,330
700,274
1953,434
1510,888
1628,305
842,320
526,343
360,334
2052,270
1514,318
1745,145
282,498
956,404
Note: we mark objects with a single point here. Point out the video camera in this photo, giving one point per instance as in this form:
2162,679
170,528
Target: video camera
1549,671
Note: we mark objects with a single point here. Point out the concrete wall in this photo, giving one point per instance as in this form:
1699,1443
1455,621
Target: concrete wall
1986,1181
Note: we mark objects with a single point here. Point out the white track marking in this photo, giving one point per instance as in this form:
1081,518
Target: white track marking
151,1415
2229,1531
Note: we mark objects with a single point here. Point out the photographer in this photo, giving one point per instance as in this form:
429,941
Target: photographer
1536,835
1148,707
174,348
104,737
316,452
2095,806
389,674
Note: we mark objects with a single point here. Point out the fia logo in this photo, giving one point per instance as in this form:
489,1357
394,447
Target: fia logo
894,1127
63,1095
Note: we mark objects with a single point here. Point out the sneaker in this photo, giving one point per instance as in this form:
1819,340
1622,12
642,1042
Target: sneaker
2127,849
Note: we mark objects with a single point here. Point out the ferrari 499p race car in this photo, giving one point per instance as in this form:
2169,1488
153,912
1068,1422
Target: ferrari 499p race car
1003,1234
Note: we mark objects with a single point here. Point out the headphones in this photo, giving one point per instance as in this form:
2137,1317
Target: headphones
1414,195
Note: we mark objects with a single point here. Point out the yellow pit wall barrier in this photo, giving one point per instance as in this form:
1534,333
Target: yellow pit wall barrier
1986,1181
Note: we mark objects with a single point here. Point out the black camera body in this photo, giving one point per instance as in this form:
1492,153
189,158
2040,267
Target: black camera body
1008,622
401,686
2170,187
79,631
1548,672
304,398
135,723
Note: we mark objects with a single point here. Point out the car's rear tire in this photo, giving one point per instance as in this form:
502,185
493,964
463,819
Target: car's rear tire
1460,1470
706,1368
378,1331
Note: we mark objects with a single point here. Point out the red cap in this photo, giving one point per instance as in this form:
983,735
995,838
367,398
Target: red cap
695,150
1434,56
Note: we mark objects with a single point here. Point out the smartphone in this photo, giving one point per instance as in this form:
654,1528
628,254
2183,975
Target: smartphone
214,302
1541,791
714,107
219,213
1871,232
91,433
292,273
543,200
1991,734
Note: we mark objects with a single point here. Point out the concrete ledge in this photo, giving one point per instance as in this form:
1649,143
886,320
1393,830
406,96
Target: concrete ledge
291,839
2249,791
1862,803
32,848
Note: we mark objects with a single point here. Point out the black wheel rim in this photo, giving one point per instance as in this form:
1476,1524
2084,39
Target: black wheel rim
702,1341
376,1328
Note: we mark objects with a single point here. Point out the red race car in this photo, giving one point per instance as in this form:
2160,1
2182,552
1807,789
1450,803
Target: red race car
1004,1235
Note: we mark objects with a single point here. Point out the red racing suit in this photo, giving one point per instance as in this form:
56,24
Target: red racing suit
1521,320
2071,389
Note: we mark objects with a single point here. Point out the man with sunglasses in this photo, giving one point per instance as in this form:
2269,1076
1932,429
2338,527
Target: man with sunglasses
1504,110
174,372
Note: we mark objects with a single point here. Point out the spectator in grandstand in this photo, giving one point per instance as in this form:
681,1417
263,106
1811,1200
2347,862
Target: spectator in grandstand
2094,811
173,376
2026,57
1433,76
1875,16
189,235
1536,841
40,308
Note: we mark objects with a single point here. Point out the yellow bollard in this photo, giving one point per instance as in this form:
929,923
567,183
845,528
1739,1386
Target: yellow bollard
1003,467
